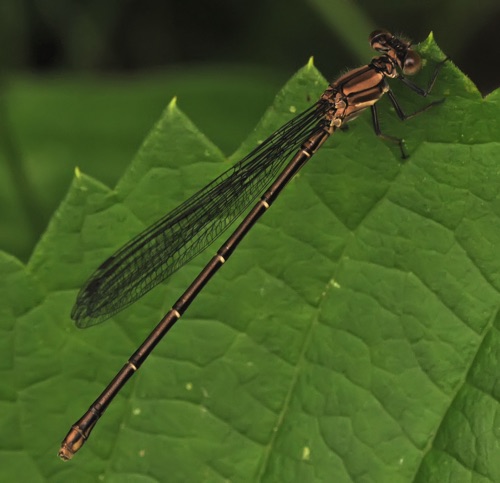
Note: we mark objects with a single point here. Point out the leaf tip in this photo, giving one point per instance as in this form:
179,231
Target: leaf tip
78,173
310,62
173,103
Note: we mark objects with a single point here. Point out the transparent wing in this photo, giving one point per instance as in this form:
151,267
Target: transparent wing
172,241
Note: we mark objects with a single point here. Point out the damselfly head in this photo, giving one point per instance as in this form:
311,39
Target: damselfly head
397,49
412,63
380,40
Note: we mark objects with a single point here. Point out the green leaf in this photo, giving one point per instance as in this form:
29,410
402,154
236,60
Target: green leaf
352,337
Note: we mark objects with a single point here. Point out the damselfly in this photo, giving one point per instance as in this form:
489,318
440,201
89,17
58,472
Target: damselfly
171,242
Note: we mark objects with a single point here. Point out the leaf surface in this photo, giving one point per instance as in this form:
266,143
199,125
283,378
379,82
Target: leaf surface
353,337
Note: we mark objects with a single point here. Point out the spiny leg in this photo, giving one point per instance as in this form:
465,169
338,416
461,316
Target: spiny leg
418,89
376,127
399,111
421,92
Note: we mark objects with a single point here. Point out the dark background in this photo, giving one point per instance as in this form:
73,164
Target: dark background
133,35
82,82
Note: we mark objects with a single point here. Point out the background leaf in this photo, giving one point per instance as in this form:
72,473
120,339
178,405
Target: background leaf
353,336
50,125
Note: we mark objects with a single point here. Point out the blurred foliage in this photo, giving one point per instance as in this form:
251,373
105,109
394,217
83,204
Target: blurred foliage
58,123
133,35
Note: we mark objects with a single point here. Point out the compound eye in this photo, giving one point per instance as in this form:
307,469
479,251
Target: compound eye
378,39
412,63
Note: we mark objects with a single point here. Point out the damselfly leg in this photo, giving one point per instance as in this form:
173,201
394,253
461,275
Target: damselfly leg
399,110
